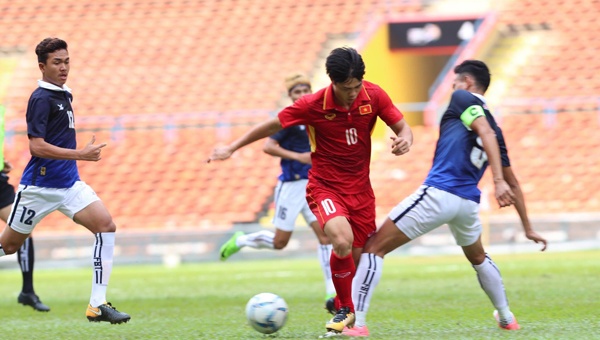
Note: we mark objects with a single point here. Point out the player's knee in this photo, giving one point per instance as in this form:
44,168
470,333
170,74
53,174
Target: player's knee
10,248
342,249
371,248
374,246
111,227
342,252
107,227
475,256
379,252
279,244
475,253
476,259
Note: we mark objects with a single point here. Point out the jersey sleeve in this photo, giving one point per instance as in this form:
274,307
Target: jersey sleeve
296,114
471,113
388,112
465,107
38,111
502,145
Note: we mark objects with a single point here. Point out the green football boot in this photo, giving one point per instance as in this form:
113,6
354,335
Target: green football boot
230,247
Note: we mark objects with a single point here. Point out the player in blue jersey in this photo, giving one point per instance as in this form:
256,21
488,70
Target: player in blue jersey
469,140
292,146
51,180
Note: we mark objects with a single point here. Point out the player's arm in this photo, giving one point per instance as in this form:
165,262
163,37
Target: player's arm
257,132
273,148
38,111
512,181
7,167
40,148
403,140
475,119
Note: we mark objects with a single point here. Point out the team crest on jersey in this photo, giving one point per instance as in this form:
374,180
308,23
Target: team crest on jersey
60,107
365,109
330,116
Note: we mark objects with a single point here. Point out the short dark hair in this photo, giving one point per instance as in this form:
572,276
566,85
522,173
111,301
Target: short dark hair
344,63
47,46
478,69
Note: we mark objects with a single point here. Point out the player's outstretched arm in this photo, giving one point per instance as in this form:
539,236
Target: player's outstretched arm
512,181
257,132
40,148
403,140
504,194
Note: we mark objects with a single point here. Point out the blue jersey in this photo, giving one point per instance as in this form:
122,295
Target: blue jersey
460,161
295,139
50,116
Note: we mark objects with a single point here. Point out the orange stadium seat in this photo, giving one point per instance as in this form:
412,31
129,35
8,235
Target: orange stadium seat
557,166
201,67
194,42
567,65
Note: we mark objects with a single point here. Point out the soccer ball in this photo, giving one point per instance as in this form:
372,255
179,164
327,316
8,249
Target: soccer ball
266,312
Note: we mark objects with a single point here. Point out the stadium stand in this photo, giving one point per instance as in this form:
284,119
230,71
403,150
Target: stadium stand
172,57
149,180
566,62
554,157
179,56
172,78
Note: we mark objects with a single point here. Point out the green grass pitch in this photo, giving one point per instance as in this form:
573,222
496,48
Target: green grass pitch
553,295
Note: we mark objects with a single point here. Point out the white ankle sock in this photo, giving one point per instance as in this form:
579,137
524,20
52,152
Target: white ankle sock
103,262
368,274
258,240
504,314
2,253
491,282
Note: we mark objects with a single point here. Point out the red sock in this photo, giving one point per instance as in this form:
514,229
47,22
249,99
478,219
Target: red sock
342,273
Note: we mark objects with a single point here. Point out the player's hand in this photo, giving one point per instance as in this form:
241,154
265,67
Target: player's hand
504,194
304,158
400,146
91,152
535,237
220,154
7,167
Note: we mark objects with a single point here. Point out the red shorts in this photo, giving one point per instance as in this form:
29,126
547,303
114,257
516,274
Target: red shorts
358,209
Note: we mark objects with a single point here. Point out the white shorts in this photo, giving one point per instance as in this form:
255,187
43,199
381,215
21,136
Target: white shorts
33,203
429,208
290,201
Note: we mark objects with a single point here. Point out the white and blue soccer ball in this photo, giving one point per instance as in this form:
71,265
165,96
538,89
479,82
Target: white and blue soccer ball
267,312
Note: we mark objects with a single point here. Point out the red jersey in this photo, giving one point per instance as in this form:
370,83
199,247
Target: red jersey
341,139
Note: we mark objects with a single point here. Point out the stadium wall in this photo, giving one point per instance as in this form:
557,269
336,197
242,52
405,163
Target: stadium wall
406,77
565,233
486,35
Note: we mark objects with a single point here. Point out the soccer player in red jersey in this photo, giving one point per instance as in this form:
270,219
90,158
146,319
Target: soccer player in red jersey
339,120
